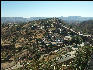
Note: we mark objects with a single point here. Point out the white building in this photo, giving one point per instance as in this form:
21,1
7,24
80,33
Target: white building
67,38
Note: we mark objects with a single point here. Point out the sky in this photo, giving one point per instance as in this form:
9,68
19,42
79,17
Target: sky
46,8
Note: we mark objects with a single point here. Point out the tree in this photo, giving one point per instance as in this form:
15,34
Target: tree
82,56
77,40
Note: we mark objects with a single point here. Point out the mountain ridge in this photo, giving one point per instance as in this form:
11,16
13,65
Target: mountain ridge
69,19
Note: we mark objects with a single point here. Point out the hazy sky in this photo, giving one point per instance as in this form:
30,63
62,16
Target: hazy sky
46,8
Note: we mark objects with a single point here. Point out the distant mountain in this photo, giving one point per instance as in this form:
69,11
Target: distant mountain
70,19
35,18
12,19
19,19
75,19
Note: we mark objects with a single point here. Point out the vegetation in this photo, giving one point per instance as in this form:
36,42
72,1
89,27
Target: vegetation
36,44
82,57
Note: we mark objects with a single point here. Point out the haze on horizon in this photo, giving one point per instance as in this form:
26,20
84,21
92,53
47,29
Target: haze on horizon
46,8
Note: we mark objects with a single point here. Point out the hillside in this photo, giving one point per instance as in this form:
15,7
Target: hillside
37,42
85,27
